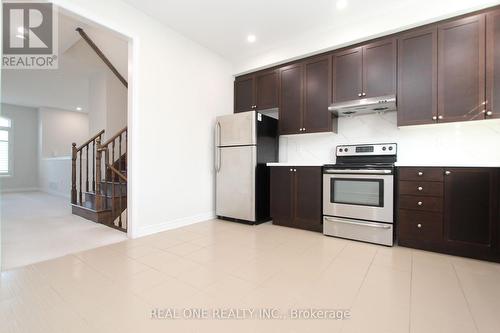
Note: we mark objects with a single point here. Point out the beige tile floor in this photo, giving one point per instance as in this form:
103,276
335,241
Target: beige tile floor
221,265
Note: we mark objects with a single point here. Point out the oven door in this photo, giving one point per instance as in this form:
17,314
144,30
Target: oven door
359,196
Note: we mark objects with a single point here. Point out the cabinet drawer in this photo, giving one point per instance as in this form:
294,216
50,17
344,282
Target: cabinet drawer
421,188
420,226
421,174
421,203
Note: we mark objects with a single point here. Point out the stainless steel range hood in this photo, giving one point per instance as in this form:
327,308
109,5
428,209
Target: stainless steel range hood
364,106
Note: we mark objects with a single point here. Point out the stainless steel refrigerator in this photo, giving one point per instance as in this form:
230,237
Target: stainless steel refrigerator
244,143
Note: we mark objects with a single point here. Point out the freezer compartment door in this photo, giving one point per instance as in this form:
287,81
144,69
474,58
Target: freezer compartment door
236,129
235,182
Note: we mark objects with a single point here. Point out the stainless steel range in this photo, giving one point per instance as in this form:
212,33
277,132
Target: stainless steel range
358,193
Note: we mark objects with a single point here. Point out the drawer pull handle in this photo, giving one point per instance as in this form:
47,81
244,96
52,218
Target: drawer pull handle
420,203
420,188
420,173
419,226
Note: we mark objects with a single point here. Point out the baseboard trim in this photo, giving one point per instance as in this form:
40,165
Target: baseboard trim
55,193
14,190
173,224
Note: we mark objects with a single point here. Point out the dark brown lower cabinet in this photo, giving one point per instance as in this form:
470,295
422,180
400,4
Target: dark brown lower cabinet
457,214
471,210
296,197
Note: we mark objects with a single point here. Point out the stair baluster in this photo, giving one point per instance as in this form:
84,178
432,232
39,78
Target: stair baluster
87,169
80,186
73,173
120,164
107,205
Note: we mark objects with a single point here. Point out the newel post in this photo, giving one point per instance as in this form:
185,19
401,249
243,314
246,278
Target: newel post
73,173
98,166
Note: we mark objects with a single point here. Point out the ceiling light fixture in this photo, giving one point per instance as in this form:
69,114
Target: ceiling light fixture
251,38
341,4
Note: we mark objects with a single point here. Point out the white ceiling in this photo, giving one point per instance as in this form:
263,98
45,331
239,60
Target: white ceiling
223,25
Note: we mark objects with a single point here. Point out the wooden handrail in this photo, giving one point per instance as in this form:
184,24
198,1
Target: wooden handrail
89,140
110,140
102,56
117,172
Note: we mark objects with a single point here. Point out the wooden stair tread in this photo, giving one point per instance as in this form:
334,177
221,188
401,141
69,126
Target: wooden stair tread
90,206
108,196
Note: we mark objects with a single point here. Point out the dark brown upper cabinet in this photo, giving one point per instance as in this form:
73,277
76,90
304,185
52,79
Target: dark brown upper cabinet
379,68
256,92
244,93
347,75
471,211
417,77
366,71
305,94
296,197
291,95
266,87
493,64
317,96
461,69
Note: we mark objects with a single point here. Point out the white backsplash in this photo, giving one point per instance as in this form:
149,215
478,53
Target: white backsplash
474,143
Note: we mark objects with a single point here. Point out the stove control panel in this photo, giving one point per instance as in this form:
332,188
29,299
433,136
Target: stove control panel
368,150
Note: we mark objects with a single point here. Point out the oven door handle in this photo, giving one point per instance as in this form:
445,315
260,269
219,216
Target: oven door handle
363,224
369,172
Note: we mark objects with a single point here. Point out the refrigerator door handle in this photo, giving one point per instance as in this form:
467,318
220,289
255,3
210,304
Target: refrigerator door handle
218,130
217,149
218,160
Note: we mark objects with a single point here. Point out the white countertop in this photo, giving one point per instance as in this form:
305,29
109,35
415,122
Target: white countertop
297,164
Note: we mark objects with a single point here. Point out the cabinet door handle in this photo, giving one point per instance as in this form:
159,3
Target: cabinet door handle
419,226
447,172
420,188
440,117
489,113
434,118
291,170
420,203
364,94
420,173
360,94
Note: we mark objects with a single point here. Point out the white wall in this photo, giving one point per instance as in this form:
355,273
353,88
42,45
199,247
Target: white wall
116,105
177,88
97,104
25,149
68,88
58,129
107,95
454,144
55,176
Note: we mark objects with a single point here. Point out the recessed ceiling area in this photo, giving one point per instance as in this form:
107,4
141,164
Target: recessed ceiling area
68,86
290,28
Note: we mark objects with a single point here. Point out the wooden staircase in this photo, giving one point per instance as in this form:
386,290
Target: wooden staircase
99,180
